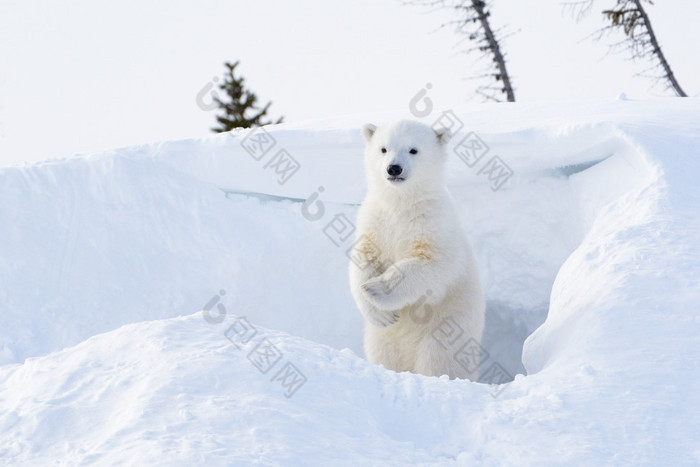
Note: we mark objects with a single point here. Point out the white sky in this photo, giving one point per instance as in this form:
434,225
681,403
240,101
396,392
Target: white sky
90,75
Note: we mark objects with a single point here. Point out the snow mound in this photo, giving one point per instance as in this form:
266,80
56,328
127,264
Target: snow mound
589,255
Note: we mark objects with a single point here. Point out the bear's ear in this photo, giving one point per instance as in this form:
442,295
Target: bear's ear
443,135
368,131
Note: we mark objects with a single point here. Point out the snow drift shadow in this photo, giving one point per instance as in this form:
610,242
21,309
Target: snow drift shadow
504,336
524,232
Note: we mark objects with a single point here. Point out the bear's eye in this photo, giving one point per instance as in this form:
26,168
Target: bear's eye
383,150
413,151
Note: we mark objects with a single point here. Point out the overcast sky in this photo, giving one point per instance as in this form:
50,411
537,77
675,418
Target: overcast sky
91,75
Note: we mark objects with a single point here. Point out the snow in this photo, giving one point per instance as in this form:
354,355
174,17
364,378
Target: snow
589,254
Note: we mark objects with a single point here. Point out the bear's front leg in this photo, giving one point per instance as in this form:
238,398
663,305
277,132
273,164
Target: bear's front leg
404,282
366,269
379,318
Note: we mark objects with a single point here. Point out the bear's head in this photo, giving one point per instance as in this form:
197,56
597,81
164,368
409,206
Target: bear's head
404,155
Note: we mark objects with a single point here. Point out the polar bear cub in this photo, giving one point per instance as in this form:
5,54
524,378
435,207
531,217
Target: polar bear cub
413,274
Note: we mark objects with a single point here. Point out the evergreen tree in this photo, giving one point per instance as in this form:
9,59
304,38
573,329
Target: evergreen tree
640,41
240,109
474,23
477,12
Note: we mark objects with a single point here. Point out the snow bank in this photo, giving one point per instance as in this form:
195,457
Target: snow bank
590,248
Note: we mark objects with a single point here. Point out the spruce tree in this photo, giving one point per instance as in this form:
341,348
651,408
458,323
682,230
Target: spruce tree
240,109
640,39
474,23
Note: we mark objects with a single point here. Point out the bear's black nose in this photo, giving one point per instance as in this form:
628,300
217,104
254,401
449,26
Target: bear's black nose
394,170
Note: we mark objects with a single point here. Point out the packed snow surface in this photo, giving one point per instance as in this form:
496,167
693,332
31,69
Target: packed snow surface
187,302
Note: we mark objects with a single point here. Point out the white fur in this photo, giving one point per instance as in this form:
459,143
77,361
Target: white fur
409,238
